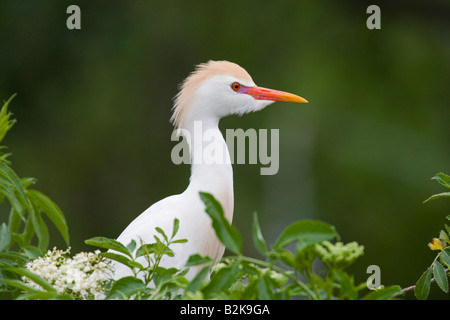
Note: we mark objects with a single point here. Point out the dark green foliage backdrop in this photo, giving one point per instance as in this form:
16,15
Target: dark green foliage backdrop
93,111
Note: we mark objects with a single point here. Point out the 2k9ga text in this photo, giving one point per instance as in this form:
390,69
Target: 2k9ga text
246,309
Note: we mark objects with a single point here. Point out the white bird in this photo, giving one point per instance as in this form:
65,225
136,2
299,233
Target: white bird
214,90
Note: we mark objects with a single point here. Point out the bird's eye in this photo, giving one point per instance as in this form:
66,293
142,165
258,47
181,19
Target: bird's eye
236,86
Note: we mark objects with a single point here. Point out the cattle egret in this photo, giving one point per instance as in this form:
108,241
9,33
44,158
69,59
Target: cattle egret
214,90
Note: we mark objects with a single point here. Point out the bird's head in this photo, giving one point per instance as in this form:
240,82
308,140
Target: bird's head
220,88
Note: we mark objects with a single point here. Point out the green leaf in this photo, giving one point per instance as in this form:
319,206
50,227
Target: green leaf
122,259
52,210
346,283
44,295
20,285
250,269
447,228
126,287
29,231
14,220
110,244
6,122
10,178
445,256
146,249
131,246
161,231
197,259
176,226
167,251
440,276
221,280
258,239
31,293
179,241
306,232
32,252
443,179
165,276
196,283
383,293
264,286
443,236
423,285
33,277
7,258
5,237
287,258
249,291
227,234
27,182
40,229
437,196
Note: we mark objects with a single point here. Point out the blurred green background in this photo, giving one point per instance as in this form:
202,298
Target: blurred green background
93,109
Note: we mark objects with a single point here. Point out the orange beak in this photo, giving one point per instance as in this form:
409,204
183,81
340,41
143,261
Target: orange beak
273,95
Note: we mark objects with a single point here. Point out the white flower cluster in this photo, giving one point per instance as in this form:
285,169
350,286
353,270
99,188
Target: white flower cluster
84,276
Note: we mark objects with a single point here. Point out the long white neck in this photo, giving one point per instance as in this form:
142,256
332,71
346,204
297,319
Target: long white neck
211,169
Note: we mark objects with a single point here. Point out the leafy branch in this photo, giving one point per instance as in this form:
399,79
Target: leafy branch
283,273
438,271
137,286
444,180
24,235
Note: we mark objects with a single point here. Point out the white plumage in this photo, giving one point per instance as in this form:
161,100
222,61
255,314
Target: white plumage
214,90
